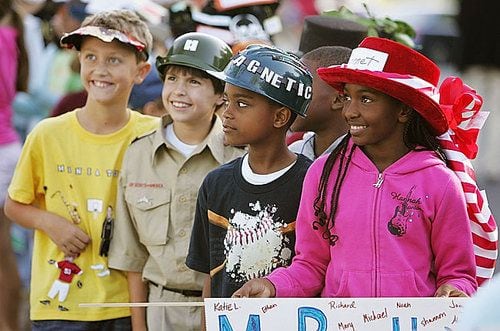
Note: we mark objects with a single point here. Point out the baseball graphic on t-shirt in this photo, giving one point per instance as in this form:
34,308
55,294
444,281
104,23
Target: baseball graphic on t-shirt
255,244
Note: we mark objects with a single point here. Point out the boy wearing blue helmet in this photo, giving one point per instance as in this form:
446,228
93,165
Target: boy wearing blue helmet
246,209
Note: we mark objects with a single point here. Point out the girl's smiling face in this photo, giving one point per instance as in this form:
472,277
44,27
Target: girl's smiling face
375,120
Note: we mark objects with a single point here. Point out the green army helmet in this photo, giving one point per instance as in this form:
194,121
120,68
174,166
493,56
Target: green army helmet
196,50
273,73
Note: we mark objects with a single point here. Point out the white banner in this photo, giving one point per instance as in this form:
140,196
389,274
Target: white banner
339,314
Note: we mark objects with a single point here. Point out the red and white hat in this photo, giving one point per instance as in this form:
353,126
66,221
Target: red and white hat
396,70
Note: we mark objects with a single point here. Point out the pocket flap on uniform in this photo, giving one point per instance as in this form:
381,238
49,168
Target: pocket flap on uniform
151,210
147,201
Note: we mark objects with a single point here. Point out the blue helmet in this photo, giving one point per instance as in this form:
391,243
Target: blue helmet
273,73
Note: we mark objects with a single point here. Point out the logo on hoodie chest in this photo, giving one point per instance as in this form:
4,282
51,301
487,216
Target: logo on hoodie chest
408,208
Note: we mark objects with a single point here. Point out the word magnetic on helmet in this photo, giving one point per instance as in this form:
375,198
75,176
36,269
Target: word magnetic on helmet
273,73
197,50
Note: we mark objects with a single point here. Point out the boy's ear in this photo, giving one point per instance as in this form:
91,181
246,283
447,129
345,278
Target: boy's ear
219,104
336,102
220,101
142,71
282,116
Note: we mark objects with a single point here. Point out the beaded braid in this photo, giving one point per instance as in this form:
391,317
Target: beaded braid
322,219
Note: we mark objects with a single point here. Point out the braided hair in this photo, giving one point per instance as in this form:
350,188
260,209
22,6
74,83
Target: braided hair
417,136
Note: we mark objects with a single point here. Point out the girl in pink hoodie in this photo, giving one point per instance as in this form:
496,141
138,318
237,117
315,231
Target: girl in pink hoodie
385,214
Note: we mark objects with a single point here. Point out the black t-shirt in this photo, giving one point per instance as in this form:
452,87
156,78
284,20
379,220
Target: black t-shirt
243,231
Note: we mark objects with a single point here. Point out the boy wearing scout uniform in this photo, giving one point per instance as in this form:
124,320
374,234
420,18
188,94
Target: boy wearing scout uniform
159,183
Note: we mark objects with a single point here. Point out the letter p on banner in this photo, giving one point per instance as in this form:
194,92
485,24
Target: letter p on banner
311,313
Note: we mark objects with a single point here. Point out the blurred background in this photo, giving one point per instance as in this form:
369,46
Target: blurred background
462,37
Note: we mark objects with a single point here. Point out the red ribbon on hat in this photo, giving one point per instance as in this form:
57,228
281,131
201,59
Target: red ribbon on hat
461,106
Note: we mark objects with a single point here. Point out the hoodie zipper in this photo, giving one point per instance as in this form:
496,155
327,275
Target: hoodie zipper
376,204
380,180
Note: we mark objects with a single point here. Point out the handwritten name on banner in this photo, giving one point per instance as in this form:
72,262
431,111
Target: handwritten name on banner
339,314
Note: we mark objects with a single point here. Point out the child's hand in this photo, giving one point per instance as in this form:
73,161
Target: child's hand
70,239
448,290
256,288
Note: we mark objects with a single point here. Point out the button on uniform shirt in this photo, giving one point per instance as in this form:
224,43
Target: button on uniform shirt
156,203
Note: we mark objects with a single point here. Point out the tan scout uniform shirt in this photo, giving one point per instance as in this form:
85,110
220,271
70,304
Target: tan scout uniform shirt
156,205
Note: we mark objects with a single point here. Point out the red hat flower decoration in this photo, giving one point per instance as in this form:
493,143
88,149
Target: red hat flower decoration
461,106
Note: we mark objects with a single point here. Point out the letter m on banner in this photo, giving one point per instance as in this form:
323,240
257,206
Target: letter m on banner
191,45
253,323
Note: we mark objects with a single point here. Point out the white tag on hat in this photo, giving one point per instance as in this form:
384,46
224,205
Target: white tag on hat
367,59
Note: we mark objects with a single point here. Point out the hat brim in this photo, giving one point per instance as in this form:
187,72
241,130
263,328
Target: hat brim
427,107
186,61
74,38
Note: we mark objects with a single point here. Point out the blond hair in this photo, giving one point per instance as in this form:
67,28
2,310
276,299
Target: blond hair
125,21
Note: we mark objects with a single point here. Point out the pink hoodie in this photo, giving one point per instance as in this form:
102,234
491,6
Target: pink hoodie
402,238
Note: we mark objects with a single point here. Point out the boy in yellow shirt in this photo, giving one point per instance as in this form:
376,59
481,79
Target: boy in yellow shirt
65,182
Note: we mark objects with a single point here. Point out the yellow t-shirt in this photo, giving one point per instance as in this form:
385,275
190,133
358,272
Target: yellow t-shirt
71,172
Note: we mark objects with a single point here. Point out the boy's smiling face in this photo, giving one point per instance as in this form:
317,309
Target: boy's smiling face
109,70
188,98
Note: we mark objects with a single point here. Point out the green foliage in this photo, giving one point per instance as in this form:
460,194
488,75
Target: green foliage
385,27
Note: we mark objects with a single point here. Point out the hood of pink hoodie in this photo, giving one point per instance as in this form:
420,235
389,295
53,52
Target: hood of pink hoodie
412,162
